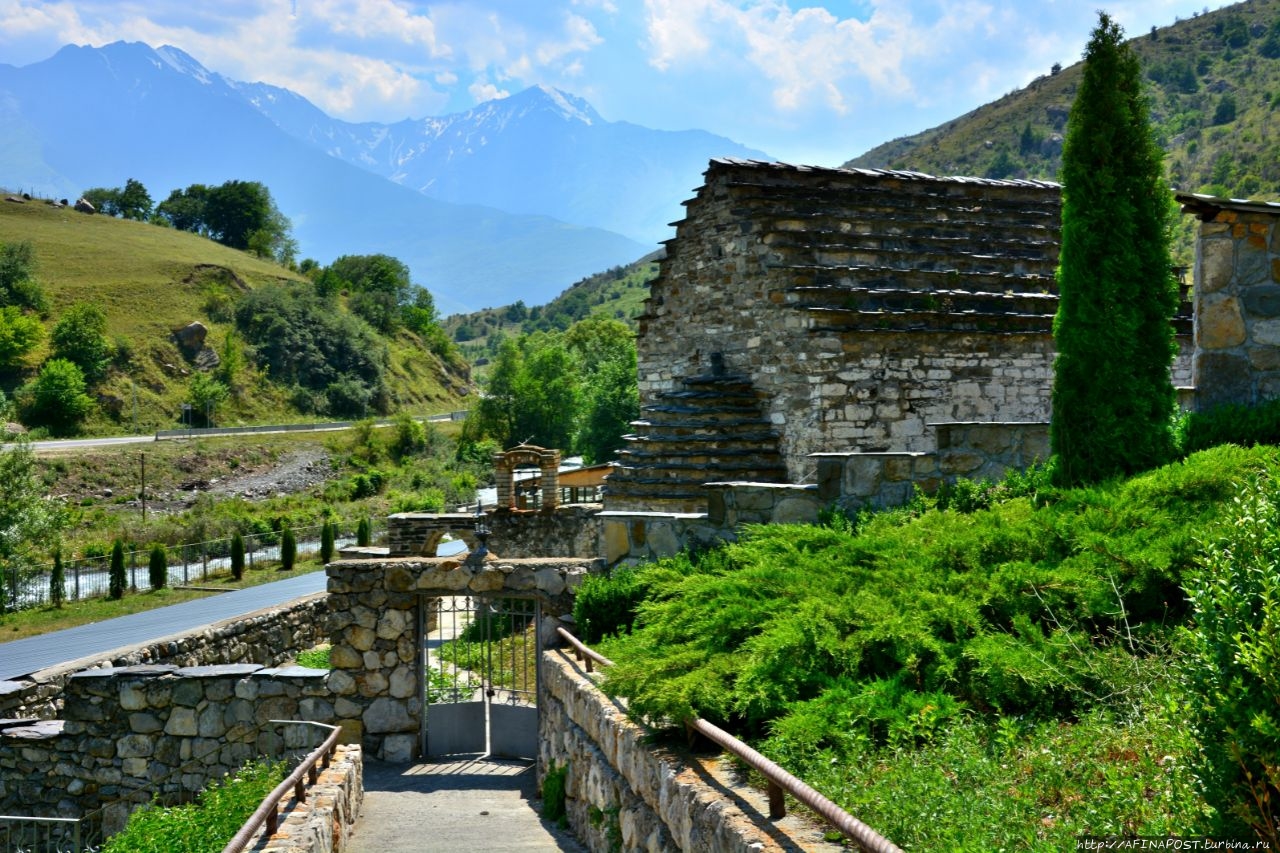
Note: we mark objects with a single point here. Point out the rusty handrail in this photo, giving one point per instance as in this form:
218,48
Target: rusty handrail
779,780
267,812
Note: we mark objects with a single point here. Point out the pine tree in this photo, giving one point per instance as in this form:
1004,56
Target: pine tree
116,580
362,533
1113,398
326,541
288,549
237,555
57,580
158,567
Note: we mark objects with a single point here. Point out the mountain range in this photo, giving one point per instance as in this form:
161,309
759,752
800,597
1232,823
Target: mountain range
514,199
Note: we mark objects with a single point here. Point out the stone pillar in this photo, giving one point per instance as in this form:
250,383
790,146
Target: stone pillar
1237,306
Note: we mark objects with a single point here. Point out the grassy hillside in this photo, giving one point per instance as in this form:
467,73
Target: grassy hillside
151,280
1214,85
618,292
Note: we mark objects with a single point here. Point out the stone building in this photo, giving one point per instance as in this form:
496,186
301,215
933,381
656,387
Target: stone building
802,310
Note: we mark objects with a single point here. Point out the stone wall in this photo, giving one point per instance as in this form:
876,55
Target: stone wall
858,305
564,531
1237,329
266,637
375,654
131,733
326,821
624,794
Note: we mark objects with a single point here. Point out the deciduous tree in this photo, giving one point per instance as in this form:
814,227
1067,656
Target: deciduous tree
1113,398
29,519
80,336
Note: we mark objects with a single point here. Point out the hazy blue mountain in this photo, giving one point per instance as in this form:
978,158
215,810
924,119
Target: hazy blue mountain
538,151
96,116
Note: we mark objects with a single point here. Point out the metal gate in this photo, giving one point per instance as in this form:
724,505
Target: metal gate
480,687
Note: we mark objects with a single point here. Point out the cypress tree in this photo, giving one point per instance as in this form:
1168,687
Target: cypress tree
288,549
116,579
326,541
57,580
237,555
1113,398
158,567
362,533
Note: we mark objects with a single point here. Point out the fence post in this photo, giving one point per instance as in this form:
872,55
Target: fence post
253,546
76,571
204,556
185,579
133,570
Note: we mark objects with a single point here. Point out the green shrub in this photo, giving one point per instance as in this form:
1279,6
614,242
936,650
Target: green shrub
327,541
555,793
237,555
158,567
288,549
56,398
116,579
317,658
606,604
1234,676
1230,424
362,533
57,580
202,827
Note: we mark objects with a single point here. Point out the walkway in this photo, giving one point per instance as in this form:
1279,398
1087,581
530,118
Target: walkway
23,657
482,805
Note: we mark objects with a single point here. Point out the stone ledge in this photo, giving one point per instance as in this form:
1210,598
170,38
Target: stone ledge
325,823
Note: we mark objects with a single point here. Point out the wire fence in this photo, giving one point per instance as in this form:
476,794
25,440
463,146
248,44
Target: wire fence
191,563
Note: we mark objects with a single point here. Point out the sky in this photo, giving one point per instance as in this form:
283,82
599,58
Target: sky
806,81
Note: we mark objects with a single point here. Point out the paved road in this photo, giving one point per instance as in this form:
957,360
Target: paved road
23,657
483,805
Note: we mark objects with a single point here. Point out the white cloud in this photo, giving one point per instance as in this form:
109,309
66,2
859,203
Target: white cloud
482,90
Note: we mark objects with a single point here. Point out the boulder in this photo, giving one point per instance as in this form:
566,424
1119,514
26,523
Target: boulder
83,205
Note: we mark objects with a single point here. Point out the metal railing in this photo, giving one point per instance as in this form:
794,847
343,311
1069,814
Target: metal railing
267,814
779,781
43,835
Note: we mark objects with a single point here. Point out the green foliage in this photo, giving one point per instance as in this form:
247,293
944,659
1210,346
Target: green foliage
237,555
362,533
80,336
29,518
158,567
1113,399
298,339
18,285
205,394
57,580
1225,111
1015,660
1230,424
410,437
134,201
605,605
19,334
288,549
116,578
203,827
327,537
317,658
56,398
1233,677
555,790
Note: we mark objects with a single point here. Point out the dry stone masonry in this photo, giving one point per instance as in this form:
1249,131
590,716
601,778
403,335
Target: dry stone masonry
1237,326
806,310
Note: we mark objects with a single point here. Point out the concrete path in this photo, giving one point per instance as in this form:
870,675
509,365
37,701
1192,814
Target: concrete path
482,805
23,657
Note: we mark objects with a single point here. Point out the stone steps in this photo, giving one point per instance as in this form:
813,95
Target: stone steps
867,237
709,428
923,280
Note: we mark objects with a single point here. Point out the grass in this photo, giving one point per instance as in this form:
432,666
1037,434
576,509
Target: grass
207,825
150,281
43,620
